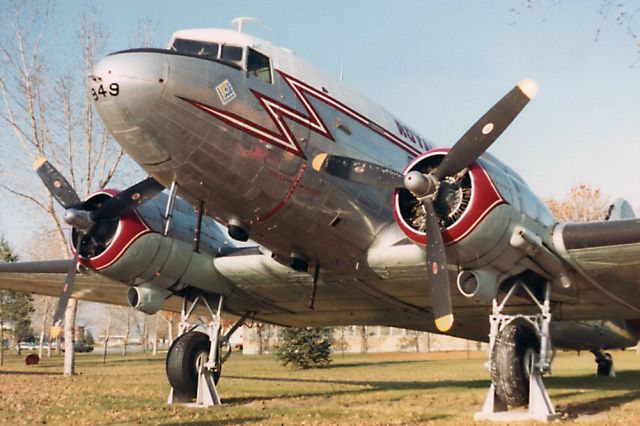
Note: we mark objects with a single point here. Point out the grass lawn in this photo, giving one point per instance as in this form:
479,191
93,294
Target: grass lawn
399,388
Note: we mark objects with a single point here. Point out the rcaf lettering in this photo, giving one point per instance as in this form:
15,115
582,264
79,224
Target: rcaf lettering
415,138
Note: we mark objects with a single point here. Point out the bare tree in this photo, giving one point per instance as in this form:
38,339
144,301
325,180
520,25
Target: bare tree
155,334
107,333
62,129
583,203
171,319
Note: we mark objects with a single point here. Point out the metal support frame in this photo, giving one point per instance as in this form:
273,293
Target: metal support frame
171,201
314,288
540,406
207,393
198,228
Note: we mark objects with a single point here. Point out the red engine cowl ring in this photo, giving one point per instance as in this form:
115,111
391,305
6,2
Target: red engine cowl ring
109,239
468,198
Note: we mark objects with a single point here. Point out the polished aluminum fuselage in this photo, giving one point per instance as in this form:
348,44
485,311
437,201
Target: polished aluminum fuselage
248,158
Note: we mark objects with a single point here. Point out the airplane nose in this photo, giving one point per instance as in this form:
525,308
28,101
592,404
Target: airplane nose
125,87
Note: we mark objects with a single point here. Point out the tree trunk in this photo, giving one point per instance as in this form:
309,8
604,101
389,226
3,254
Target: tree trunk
140,330
169,329
155,335
107,335
1,336
43,326
126,334
259,334
364,345
69,338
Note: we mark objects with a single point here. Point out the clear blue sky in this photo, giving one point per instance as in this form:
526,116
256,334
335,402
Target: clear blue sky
439,65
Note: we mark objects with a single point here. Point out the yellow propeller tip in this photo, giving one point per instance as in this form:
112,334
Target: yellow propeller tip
528,87
55,332
39,162
444,323
317,162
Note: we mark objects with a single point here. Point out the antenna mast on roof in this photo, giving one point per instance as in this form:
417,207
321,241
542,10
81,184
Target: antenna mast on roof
240,21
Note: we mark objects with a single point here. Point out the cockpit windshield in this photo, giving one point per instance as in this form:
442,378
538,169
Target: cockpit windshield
257,64
209,50
199,48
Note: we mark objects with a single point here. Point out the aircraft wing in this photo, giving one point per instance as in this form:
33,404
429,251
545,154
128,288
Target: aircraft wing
606,255
46,278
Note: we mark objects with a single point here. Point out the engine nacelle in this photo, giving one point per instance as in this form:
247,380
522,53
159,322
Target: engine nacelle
133,249
478,210
147,298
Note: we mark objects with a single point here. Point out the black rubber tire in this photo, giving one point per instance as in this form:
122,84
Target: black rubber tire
605,365
182,369
509,372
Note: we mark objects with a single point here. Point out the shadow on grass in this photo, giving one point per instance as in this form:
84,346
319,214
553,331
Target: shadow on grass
362,387
600,405
218,422
120,360
369,364
28,373
627,380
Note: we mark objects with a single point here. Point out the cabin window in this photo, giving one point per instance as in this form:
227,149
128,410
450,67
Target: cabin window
231,53
198,48
259,66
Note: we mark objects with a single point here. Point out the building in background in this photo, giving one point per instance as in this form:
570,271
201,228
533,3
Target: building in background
261,339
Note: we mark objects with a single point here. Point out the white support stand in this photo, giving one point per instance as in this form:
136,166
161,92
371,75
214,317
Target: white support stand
206,391
540,406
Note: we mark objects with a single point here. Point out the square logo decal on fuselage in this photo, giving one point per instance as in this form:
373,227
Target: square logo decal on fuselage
225,92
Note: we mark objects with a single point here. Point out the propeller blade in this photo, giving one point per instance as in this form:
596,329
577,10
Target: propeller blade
437,272
57,185
56,329
128,199
486,130
359,171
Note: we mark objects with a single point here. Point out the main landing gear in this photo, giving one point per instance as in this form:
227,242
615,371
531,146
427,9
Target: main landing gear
520,353
194,362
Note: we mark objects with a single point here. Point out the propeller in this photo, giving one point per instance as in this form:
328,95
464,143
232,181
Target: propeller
87,222
427,186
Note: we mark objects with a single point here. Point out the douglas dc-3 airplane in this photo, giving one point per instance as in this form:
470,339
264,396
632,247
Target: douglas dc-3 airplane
359,220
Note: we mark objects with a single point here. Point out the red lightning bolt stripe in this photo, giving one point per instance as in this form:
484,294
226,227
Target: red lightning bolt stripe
298,87
277,111
286,140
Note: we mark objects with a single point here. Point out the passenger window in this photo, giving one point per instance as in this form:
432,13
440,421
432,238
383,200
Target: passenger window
199,48
258,65
231,53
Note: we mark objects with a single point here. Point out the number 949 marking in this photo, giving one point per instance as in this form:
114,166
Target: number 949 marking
114,90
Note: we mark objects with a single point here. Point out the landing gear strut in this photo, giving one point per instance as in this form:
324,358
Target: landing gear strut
194,362
520,353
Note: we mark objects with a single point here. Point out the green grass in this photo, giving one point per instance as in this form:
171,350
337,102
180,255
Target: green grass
406,388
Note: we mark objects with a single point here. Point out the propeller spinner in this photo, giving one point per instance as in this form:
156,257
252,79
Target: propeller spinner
426,187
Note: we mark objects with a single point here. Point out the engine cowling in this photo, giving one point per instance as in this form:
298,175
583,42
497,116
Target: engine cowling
111,238
133,248
462,202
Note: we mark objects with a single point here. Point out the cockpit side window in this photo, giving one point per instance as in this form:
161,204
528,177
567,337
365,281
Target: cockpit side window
258,65
198,48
